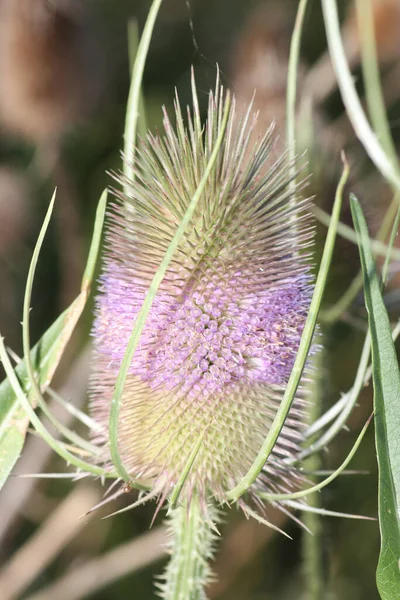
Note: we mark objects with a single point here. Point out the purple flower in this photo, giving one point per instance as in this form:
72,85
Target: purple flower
223,331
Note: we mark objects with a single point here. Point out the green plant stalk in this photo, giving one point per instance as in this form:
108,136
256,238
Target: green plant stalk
44,357
133,44
36,395
192,547
376,106
362,376
379,119
313,545
291,92
301,357
140,321
133,108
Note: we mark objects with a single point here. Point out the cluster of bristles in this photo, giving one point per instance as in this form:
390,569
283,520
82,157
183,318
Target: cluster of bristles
220,340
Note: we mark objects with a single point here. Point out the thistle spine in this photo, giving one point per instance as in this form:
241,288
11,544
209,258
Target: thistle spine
192,546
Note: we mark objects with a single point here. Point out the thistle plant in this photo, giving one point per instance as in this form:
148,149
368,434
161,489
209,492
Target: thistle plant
220,339
222,333
204,326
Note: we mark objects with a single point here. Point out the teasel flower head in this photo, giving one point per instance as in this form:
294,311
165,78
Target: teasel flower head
222,333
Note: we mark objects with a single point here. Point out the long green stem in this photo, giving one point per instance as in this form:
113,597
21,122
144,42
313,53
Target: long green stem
292,85
135,93
133,46
291,95
192,547
313,545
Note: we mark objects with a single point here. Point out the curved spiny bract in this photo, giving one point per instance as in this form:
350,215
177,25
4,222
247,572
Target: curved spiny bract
220,340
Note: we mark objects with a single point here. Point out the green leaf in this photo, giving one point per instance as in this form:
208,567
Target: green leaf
386,378
13,428
45,357
13,420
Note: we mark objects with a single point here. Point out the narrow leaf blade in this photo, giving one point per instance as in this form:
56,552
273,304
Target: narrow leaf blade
12,437
45,357
386,378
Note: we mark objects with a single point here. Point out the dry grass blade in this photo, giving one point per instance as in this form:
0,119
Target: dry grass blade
41,549
95,574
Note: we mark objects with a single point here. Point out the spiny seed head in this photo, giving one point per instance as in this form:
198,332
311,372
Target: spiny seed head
220,340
